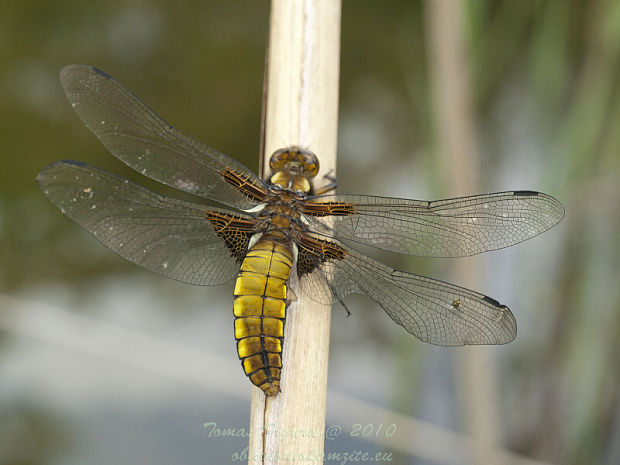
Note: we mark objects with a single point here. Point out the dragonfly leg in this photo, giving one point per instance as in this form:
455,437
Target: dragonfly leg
327,187
340,301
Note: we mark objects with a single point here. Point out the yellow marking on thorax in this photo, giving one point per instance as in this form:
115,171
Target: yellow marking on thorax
295,182
260,312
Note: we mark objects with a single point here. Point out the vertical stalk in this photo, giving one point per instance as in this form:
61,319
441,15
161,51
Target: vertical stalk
459,162
301,108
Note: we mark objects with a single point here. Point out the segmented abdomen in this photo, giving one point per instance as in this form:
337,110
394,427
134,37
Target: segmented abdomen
260,311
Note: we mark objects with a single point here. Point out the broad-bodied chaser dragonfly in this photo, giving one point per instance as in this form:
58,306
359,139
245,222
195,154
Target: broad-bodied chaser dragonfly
281,230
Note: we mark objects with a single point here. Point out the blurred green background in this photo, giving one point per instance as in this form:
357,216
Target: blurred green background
546,93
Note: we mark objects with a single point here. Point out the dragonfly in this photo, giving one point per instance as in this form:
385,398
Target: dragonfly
274,235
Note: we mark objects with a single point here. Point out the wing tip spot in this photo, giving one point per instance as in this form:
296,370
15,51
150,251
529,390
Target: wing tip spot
101,73
525,193
492,301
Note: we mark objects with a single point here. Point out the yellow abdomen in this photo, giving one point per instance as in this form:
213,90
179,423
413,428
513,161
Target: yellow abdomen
260,311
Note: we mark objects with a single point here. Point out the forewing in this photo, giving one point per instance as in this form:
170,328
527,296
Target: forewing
431,310
456,227
181,240
131,131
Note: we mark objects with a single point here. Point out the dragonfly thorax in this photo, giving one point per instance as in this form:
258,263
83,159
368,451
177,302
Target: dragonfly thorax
291,182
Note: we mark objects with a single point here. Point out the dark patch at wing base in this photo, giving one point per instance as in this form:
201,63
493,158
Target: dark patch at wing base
234,230
313,252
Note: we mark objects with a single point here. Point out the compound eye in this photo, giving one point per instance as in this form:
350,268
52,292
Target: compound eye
310,164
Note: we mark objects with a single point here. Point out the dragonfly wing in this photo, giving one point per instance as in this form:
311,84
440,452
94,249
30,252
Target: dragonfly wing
181,240
442,228
431,310
135,134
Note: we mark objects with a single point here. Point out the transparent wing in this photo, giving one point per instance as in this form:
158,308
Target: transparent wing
165,235
431,310
132,132
457,227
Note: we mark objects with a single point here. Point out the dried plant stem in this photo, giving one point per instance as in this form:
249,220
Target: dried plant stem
301,108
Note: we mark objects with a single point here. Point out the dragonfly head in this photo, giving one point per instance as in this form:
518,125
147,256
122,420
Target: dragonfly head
295,160
292,168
